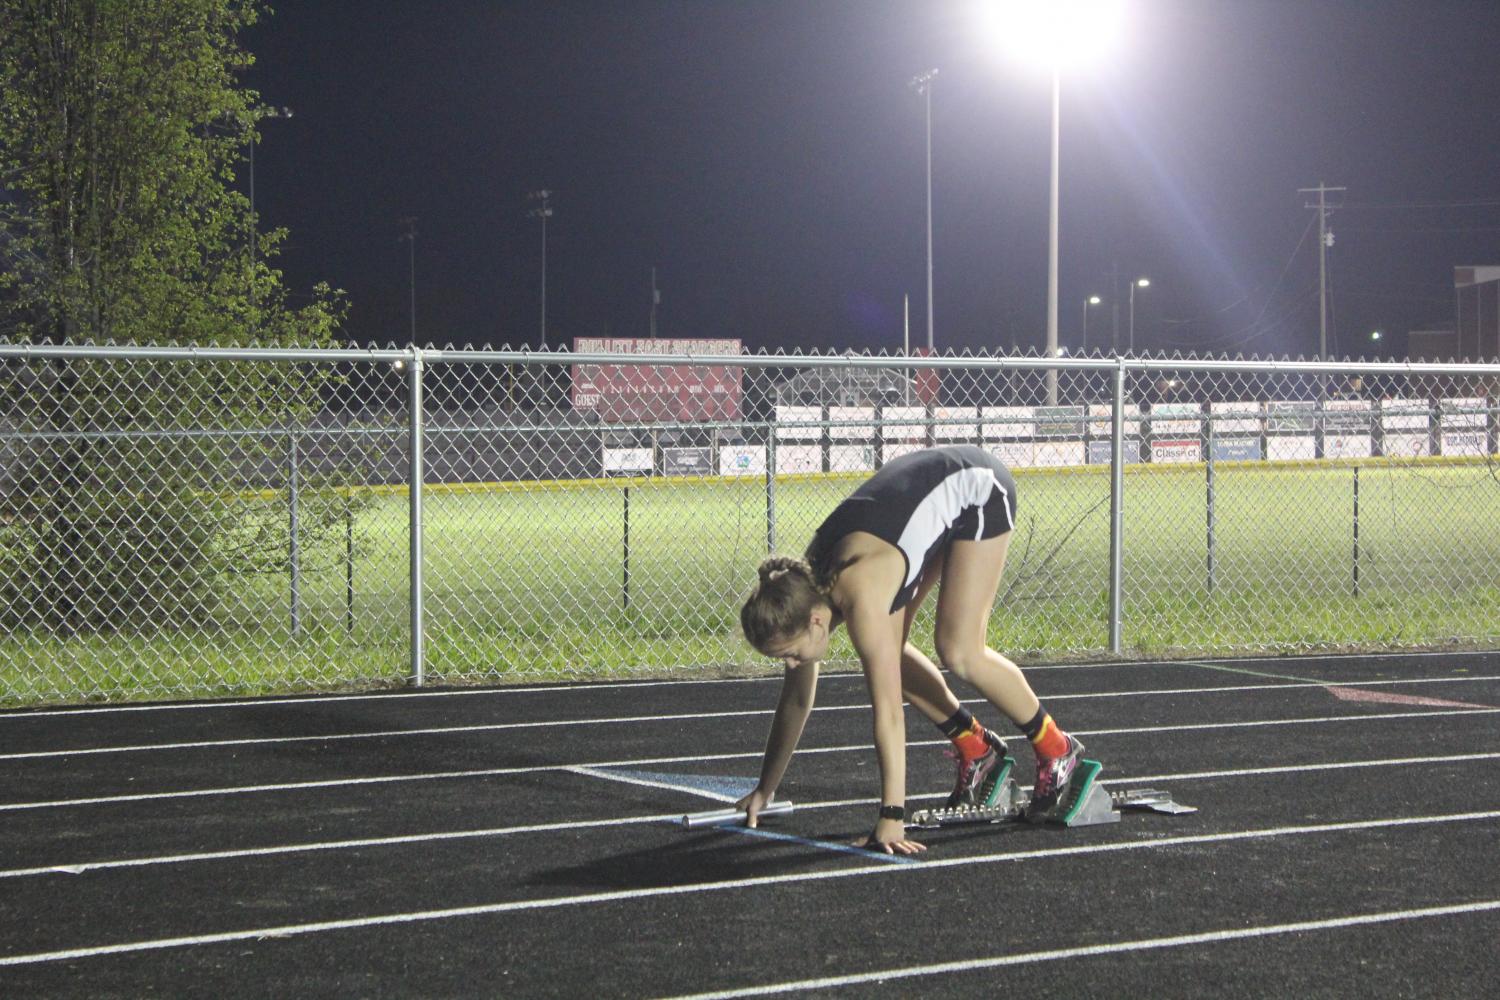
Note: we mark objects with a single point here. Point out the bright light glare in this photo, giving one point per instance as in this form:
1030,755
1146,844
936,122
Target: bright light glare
1054,34
1094,300
1143,282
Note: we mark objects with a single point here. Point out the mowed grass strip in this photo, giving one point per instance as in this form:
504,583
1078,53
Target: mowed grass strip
526,584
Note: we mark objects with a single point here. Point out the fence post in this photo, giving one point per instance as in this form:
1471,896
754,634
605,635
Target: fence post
1117,510
294,553
625,582
414,492
348,561
1356,531
1211,511
770,488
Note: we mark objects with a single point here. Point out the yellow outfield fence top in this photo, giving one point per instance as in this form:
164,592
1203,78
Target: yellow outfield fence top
1024,472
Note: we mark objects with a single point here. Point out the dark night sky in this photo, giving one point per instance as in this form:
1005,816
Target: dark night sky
768,157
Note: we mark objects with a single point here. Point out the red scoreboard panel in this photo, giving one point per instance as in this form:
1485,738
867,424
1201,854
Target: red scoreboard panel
639,390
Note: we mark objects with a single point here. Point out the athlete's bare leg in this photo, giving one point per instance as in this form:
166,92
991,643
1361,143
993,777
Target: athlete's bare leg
921,682
971,578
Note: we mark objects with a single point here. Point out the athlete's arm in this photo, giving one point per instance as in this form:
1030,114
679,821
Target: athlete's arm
798,686
876,635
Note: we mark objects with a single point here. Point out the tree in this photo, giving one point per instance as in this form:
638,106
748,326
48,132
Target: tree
122,123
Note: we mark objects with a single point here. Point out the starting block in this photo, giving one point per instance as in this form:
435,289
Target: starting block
1086,802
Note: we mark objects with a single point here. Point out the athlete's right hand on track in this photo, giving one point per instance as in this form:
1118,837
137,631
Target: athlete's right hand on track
752,804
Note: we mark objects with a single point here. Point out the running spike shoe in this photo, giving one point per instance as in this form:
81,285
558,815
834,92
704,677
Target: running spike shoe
1052,777
975,777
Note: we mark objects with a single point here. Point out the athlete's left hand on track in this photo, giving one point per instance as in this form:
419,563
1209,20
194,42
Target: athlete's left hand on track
890,837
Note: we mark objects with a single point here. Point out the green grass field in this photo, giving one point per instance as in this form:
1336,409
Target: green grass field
526,584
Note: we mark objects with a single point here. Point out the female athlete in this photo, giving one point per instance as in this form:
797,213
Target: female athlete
941,517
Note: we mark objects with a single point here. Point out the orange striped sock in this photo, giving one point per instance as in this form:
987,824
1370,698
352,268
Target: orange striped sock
967,734
1046,738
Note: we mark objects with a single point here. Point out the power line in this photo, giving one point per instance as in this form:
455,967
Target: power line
1477,203
1434,230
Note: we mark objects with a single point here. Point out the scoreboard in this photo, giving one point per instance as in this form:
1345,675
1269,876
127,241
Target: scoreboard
638,390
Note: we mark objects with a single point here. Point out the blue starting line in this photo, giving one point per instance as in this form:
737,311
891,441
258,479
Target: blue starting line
728,789
827,845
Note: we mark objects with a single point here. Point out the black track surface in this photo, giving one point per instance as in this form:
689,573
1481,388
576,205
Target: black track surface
437,844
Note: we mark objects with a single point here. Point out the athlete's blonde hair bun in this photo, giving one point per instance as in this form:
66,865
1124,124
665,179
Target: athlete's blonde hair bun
775,567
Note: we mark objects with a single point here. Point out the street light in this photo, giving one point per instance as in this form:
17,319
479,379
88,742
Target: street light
1137,283
1092,300
544,212
922,84
1058,35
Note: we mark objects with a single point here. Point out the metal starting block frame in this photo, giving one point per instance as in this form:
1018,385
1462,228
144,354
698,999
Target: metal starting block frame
1085,803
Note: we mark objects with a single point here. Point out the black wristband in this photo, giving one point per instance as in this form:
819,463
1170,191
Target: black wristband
892,812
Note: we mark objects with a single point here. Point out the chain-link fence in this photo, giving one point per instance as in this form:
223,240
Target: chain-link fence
185,522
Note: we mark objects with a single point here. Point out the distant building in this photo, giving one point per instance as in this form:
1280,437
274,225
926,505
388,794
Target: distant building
1477,310
1432,344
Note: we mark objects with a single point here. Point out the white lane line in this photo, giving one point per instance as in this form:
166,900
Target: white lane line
23,714
391,733
75,868
691,716
623,895
19,715
594,772
1111,948
690,759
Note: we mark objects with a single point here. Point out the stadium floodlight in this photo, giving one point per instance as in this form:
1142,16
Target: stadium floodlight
1375,335
1057,35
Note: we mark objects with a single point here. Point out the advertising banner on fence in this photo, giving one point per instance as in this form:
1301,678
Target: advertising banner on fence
1404,415
1236,449
1407,445
1102,452
851,458
1176,451
644,391
798,459
1176,420
742,460
799,423
1236,418
627,460
687,461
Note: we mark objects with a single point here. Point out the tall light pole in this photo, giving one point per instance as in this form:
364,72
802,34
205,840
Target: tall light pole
543,211
1052,244
1057,34
1092,300
1137,283
923,86
410,238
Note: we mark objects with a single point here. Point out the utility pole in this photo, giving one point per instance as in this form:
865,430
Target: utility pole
410,236
1325,240
544,212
